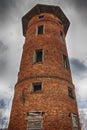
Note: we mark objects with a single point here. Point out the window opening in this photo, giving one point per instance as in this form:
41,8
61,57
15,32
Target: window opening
66,62
74,121
38,56
62,36
70,92
40,29
34,121
41,16
36,87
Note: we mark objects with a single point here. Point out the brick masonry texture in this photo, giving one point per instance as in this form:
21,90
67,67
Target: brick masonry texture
53,100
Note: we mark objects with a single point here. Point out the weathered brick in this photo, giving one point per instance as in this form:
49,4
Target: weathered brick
54,100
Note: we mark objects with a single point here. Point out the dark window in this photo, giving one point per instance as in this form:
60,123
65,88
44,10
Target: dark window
66,62
38,56
62,36
70,92
41,16
36,87
34,121
40,29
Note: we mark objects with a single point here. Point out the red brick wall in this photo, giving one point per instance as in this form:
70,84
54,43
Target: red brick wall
54,100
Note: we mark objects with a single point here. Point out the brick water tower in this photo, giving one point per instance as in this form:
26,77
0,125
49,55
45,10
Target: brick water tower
44,96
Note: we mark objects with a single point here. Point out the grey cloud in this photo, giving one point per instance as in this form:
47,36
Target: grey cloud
3,58
82,104
3,121
2,66
12,9
81,4
80,7
3,47
9,9
2,103
78,67
5,5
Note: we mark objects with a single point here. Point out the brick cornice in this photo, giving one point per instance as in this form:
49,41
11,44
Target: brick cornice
44,76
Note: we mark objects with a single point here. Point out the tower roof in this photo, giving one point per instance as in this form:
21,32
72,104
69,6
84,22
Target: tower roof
38,9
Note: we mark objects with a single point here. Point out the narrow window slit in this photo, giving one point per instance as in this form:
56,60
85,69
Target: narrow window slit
41,16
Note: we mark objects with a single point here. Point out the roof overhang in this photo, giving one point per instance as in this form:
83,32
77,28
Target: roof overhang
38,9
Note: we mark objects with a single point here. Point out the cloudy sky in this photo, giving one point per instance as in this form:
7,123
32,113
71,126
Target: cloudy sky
12,40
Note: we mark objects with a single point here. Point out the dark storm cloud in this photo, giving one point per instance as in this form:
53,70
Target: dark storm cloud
81,4
5,5
81,8
78,67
